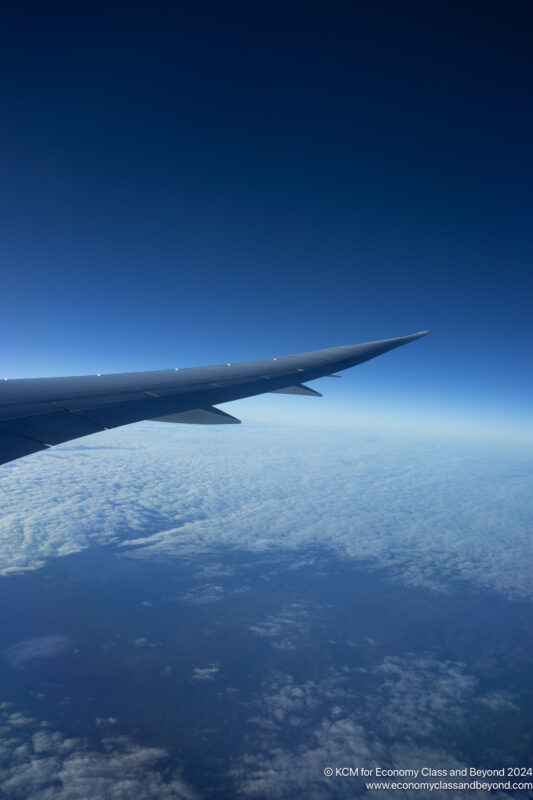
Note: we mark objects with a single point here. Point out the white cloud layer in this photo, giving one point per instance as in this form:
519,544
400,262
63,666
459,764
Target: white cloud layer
430,511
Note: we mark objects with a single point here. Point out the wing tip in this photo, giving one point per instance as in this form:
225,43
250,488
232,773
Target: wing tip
419,334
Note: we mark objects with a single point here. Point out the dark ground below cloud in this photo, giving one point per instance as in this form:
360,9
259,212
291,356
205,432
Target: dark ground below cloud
230,659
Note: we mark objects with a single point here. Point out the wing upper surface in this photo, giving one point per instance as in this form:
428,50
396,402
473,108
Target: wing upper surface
40,412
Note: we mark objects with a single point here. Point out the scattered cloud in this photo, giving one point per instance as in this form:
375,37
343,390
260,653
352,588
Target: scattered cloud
499,701
102,722
205,673
142,641
283,628
396,721
42,764
203,595
207,593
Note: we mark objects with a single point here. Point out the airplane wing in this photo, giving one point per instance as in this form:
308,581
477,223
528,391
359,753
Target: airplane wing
37,413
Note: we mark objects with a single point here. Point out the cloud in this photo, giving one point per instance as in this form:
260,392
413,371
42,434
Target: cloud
203,595
205,673
42,764
499,701
50,646
397,720
430,512
283,628
105,721
142,641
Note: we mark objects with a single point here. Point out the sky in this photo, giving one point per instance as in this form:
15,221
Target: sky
197,183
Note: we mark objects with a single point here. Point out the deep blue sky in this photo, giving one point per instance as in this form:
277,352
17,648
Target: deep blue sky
200,182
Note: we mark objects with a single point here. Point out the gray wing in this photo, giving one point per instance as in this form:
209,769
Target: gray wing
37,413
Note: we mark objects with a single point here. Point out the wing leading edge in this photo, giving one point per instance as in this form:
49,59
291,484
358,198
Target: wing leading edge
37,413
